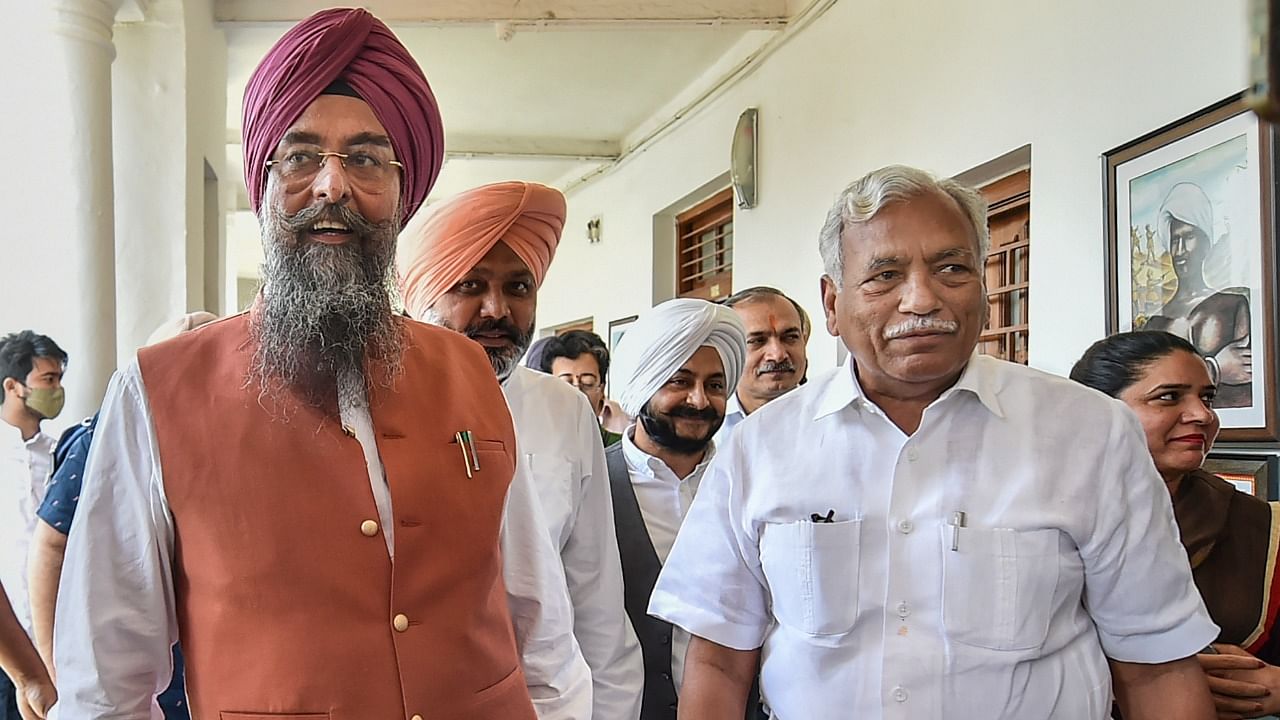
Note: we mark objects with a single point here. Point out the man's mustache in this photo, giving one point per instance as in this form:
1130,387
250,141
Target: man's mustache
919,323
305,219
684,411
780,366
499,325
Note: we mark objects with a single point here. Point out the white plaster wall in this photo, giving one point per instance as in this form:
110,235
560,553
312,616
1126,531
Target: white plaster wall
945,86
149,136
169,83
206,110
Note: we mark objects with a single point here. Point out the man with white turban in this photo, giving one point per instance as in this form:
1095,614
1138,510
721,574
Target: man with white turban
473,264
319,497
673,371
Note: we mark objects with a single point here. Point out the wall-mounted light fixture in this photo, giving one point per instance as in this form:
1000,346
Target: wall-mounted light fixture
742,159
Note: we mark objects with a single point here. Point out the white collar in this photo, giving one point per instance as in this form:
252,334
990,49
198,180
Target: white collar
734,406
640,461
981,377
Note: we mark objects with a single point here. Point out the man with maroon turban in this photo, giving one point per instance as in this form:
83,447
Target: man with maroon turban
473,264
274,489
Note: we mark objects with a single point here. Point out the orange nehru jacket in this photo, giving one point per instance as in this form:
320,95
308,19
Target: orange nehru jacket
288,604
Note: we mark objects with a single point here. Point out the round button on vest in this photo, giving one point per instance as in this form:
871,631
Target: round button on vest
368,528
400,622
416,717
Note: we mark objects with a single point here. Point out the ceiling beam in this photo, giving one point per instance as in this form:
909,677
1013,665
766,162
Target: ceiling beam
524,12
514,148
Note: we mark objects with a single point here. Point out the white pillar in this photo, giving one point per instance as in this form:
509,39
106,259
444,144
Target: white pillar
60,277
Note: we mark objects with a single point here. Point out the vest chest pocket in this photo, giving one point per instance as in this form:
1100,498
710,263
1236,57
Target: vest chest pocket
998,586
812,569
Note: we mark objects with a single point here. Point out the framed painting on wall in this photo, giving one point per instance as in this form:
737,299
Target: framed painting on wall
1254,474
617,328
1190,235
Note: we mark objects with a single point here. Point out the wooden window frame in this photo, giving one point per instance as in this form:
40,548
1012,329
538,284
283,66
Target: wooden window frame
692,280
1007,271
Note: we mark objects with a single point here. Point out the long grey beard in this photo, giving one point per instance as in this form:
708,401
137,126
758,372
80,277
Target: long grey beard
325,314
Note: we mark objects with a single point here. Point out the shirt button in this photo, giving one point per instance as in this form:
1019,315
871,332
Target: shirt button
400,622
905,527
913,454
903,610
900,694
368,528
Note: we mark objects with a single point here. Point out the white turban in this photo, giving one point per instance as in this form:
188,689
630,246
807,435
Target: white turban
664,339
1187,203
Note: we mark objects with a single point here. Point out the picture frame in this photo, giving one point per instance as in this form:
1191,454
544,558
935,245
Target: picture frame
1190,248
617,328
1255,474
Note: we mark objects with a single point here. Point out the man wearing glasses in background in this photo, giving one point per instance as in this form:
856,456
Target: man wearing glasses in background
580,358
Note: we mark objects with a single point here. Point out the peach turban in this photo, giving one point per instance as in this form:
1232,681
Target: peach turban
355,47
441,245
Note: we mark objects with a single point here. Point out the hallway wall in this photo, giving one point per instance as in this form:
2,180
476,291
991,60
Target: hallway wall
944,86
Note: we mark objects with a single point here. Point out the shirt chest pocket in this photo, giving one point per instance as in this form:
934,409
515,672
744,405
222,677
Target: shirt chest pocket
998,586
812,569
556,479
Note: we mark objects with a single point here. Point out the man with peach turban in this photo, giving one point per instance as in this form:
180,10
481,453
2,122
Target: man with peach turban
271,489
474,263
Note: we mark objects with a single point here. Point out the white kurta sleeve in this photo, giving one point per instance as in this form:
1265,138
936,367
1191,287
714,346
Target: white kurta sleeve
1138,584
557,676
712,584
594,572
115,623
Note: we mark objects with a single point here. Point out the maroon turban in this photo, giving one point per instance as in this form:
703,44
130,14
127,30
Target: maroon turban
353,46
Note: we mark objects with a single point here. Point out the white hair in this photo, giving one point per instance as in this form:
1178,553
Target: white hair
868,195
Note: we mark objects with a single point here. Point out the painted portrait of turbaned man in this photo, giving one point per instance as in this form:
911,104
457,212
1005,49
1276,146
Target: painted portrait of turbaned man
1190,229
1188,270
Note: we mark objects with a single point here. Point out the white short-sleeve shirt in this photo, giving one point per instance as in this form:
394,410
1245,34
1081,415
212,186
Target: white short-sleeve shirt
1067,554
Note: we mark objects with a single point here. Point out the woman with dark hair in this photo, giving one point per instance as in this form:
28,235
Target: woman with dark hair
1231,537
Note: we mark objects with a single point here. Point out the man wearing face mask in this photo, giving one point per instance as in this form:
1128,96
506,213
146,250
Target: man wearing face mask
32,367
673,371
474,263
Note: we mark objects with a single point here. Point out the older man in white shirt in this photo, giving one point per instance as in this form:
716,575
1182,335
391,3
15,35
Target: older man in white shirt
473,263
674,371
925,532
